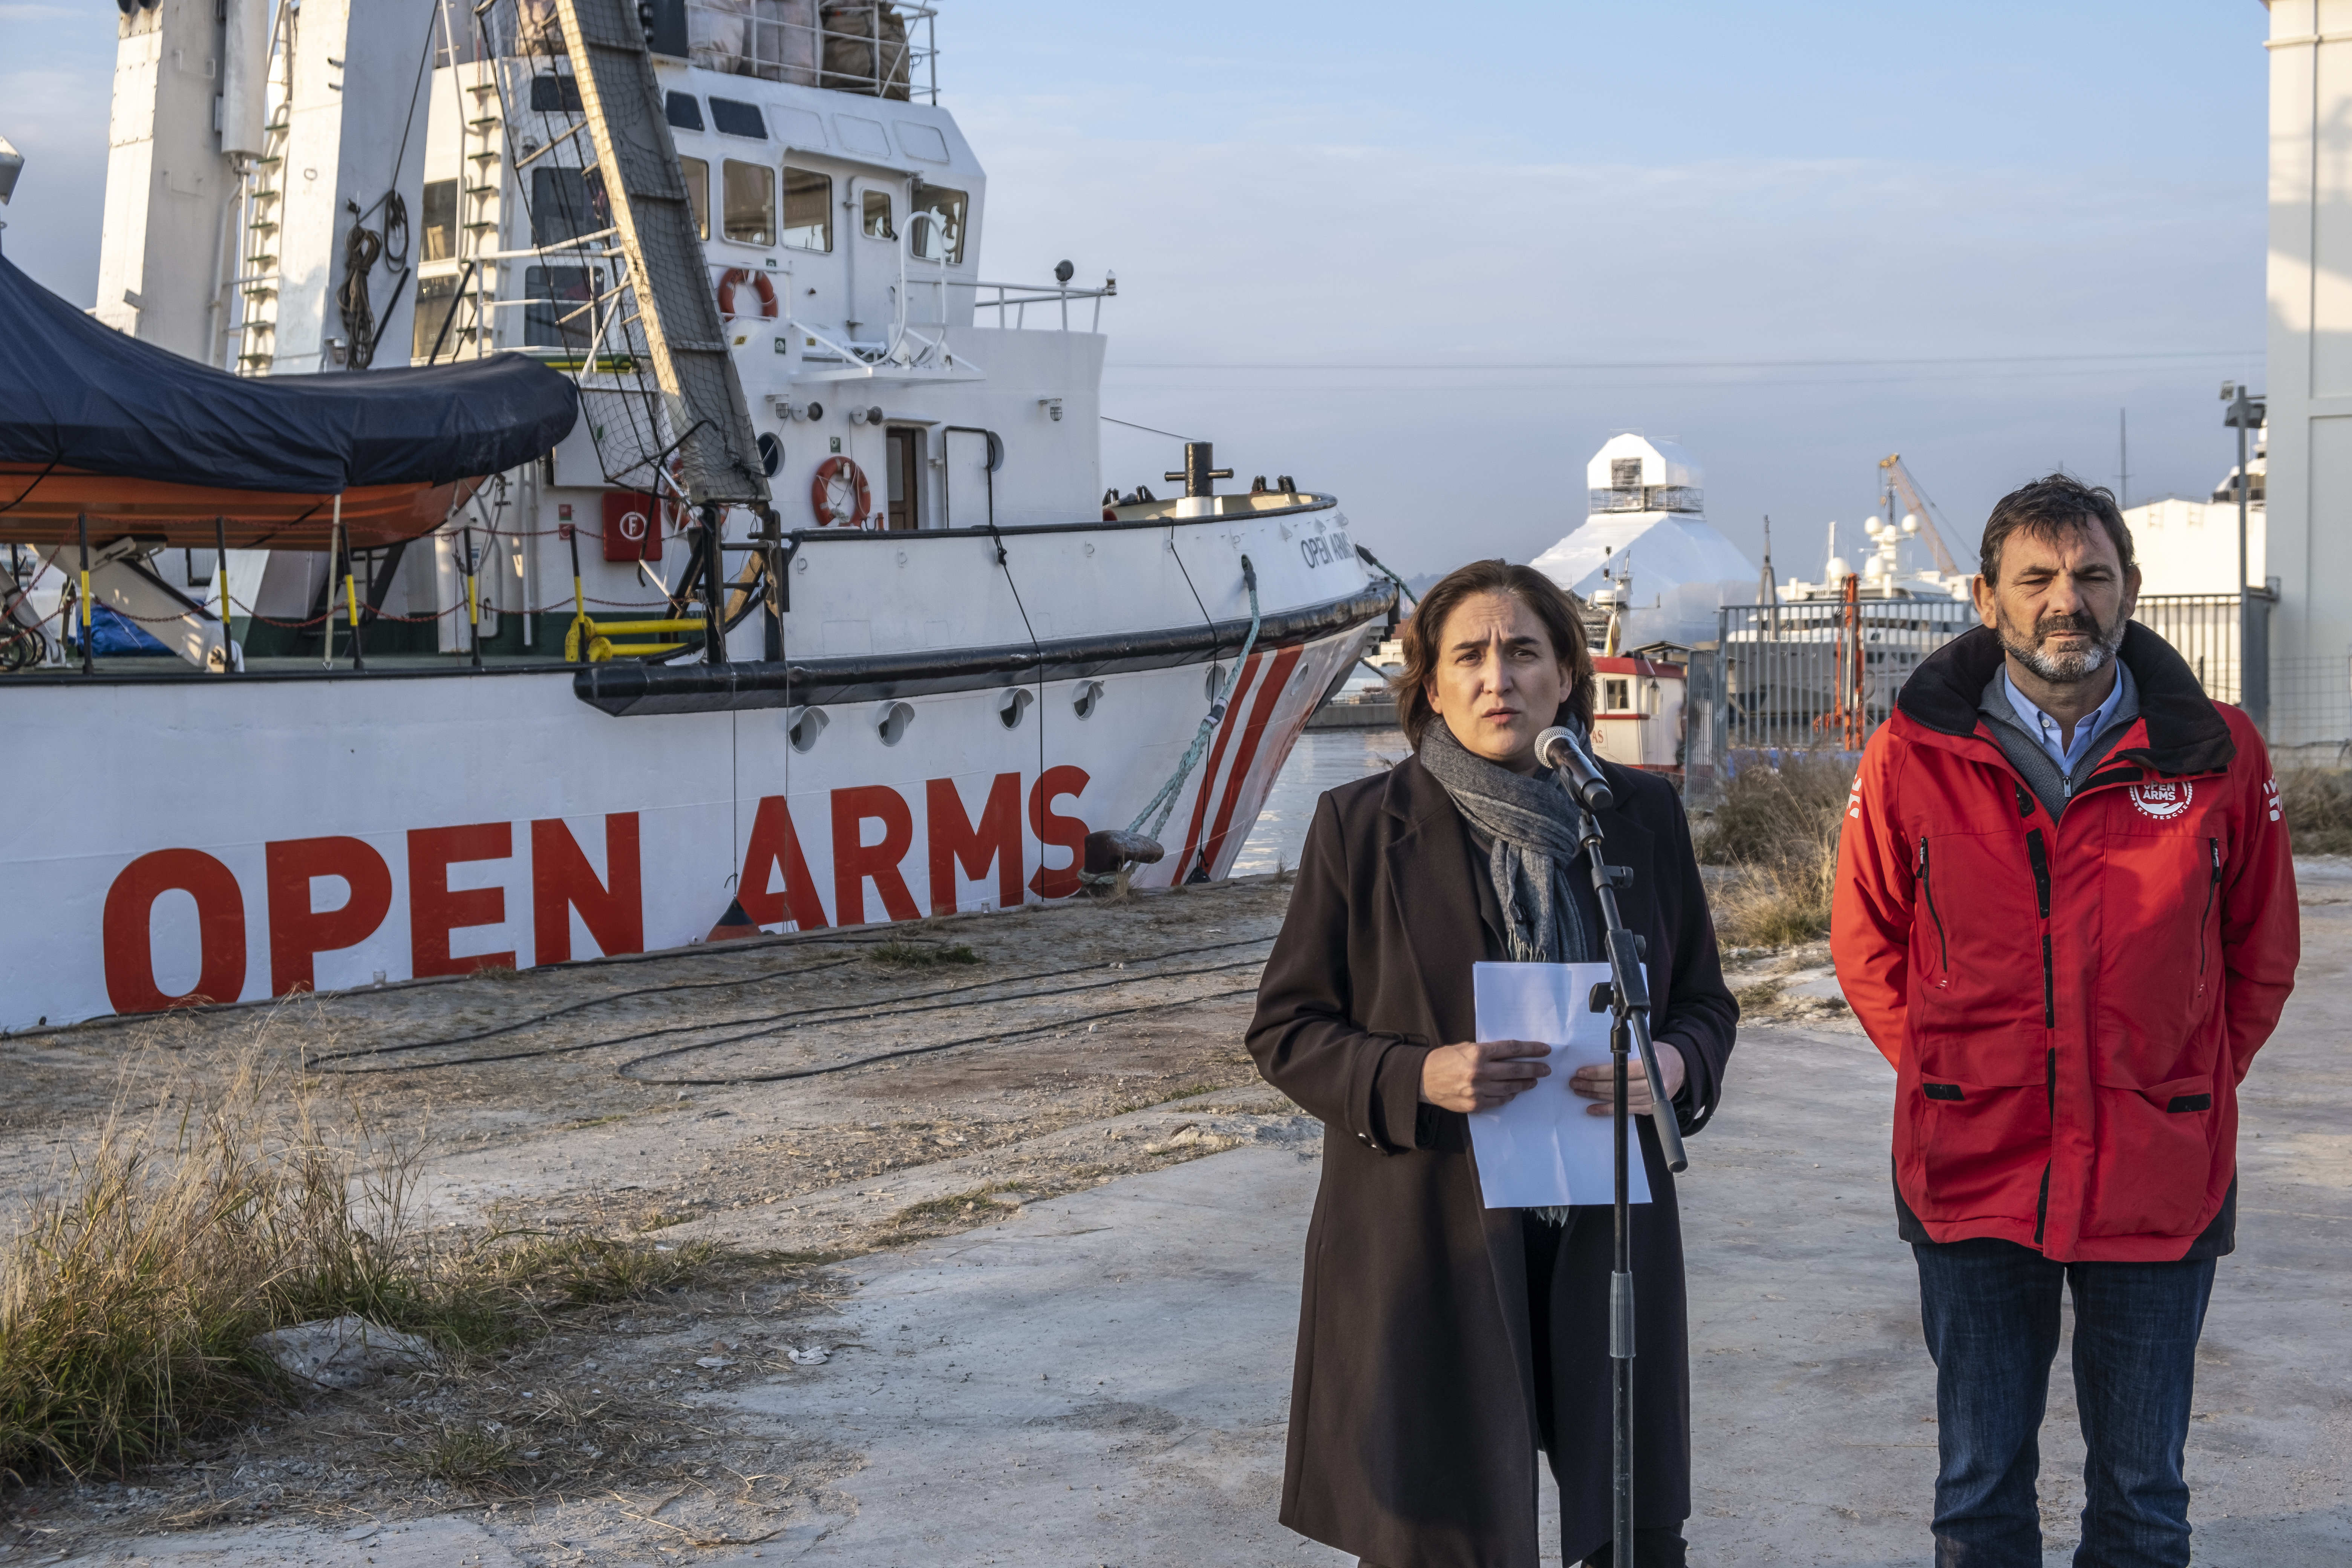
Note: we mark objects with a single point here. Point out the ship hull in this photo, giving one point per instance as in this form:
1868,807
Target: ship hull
218,839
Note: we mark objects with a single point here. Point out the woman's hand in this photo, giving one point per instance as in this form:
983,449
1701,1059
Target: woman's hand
1599,1081
1479,1075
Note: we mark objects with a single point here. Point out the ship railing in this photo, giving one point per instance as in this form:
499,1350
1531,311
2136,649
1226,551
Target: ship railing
848,353
881,48
910,350
584,327
1019,297
878,48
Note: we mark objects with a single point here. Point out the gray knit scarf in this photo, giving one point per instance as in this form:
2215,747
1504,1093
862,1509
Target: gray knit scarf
1530,825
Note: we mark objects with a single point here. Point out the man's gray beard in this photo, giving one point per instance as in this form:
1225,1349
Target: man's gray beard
2065,668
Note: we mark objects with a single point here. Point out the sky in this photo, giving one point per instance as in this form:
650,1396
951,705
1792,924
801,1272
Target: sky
1428,259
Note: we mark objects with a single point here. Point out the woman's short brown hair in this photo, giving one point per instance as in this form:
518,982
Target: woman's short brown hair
1554,605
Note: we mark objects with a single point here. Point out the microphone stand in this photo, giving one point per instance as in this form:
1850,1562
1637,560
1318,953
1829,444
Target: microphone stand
1625,995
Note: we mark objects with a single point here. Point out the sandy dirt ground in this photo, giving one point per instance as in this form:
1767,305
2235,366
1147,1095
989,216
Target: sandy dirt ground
996,1306
800,1100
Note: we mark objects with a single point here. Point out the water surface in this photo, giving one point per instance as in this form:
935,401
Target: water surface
1323,759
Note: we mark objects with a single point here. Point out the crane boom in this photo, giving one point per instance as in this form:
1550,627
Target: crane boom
1899,481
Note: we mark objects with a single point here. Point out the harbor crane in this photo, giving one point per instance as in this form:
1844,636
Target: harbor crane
1898,485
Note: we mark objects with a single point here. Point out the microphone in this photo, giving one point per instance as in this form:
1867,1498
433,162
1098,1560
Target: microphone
1558,748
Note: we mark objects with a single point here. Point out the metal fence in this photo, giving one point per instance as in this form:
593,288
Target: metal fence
1813,677
1821,676
2310,712
2204,629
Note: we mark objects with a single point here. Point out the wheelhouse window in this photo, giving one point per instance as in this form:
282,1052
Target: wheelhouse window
940,238
684,110
436,300
557,316
1616,696
877,216
733,117
566,204
440,215
808,209
555,95
696,171
748,205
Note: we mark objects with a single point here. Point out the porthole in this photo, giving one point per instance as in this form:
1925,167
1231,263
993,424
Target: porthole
1013,704
1088,695
891,722
806,727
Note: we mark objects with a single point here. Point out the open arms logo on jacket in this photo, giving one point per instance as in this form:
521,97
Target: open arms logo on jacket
2163,798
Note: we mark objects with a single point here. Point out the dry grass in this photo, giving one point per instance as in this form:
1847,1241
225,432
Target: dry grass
2318,804
1779,827
130,1300
239,1201
955,1207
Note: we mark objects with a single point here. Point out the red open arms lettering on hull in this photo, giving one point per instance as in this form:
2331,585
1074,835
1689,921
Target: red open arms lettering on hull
437,911
775,850
562,880
855,862
956,841
1015,844
1053,828
298,932
127,926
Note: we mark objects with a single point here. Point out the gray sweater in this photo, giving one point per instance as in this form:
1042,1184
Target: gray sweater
2023,747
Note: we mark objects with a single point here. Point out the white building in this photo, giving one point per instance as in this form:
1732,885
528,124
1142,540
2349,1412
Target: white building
1647,548
2191,546
2310,368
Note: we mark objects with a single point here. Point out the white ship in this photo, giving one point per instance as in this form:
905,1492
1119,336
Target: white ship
293,734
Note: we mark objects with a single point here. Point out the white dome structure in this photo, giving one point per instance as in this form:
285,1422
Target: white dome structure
1647,546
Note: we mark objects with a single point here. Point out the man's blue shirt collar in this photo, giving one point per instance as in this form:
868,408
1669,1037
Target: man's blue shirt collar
2046,730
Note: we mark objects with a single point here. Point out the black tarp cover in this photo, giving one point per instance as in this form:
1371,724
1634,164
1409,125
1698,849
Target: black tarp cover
84,396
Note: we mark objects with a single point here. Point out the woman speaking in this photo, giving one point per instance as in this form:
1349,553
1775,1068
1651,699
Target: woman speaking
1442,1343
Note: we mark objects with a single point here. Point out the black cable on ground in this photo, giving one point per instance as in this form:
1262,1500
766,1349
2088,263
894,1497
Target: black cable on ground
1058,1024
626,1068
789,1018
575,1008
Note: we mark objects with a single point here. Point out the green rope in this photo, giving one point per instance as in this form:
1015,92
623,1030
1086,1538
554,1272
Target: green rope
1410,598
1164,802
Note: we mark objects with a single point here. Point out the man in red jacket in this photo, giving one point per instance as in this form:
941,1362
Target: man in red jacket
2066,911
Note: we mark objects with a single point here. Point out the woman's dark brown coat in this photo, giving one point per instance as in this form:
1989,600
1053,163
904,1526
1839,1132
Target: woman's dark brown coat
1413,1415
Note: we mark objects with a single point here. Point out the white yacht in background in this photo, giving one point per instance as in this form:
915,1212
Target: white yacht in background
820,613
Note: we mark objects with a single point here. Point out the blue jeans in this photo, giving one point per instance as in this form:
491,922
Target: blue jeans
1990,1313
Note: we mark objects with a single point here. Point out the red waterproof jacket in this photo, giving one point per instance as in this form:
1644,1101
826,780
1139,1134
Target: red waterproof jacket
2069,1005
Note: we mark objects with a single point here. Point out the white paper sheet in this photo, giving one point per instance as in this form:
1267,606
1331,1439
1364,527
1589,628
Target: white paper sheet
1544,1147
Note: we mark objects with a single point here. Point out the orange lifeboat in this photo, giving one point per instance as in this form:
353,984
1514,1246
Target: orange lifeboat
44,507
142,444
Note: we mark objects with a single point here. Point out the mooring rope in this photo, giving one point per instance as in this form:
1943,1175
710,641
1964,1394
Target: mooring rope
1164,802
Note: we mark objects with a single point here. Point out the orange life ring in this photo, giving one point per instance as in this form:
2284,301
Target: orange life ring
840,482
734,278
